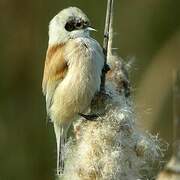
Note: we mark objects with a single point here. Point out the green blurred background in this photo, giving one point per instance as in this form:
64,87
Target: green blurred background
148,30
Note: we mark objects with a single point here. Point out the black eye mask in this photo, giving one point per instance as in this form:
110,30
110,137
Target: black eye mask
70,26
75,24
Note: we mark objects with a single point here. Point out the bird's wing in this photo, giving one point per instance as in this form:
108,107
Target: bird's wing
54,71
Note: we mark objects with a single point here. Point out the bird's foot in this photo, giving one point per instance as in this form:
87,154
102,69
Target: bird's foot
89,117
106,68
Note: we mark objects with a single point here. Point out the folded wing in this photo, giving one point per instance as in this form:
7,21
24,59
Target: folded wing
54,71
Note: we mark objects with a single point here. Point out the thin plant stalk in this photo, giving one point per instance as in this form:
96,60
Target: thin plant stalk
109,12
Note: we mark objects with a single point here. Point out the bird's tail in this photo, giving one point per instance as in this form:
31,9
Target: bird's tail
60,140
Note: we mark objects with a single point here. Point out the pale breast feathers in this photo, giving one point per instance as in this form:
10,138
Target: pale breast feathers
72,71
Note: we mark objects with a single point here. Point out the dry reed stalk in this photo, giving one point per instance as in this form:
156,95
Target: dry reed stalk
108,22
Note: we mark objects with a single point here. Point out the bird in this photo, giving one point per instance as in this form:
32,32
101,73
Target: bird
72,73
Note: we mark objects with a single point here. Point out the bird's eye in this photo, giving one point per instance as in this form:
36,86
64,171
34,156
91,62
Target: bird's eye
69,26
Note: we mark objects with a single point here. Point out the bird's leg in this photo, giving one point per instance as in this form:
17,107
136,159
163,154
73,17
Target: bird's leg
89,117
97,106
60,140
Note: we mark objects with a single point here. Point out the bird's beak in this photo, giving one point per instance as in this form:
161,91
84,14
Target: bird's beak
91,29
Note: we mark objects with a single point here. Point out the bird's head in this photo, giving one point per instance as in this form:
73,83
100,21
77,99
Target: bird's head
68,24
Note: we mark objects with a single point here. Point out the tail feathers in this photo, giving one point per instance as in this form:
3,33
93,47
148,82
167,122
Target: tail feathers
60,140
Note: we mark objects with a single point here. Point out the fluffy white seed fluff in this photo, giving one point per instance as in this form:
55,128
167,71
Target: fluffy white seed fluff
113,148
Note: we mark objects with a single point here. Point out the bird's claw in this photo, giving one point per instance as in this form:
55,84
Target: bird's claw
106,68
89,117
